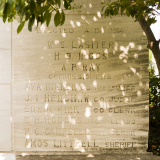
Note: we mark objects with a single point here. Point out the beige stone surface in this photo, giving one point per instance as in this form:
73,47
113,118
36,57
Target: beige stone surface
5,118
5,52
81,87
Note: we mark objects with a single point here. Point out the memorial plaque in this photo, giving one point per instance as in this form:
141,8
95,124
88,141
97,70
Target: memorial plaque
81,87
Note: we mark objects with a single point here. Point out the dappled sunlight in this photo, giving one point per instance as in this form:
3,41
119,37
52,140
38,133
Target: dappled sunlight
102,29
136,55
64,35
90,5
98,14
71,120
88,112
90,155
139,93
95,83
95,18
72,24
78,24
133,69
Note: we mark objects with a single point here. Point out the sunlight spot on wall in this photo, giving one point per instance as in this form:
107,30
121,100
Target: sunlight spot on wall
131,44
27,136
121,87
64,101
43,28
146,107
72,23
42,57
98,14
122,123
71,120
78,87
139,48
144,34
102,29
23,154
90,155
90,5
82,40
88,137
99,118
84,76
83,87
56,41
79,63
46,106
110,23
83,17
136,55
139,93
78,24
133,69
78,144
140,83
87,22
116,46
106,51
29,145
51,115
147,84
88,112
90,103
64,34
125,61
60,10
95,18
126,100
124,35
86,56
112,131
123,93
114,52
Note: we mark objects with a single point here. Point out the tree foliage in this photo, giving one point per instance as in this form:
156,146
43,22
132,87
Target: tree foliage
137,9
31,11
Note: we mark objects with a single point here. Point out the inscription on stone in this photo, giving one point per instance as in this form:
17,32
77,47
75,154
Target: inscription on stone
81,87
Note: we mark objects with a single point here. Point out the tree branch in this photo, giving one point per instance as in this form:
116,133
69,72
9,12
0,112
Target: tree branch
146,28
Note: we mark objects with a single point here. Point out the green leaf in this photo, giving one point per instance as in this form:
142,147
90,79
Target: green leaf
17,7
127,12
46,14
57,18
58,2
44,8
63,18
116,10
31,22
10,19
67,4
32,6
107,12
48,19
111,11
20,27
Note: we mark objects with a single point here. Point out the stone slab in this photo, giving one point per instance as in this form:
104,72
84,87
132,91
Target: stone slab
93,157
81,87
